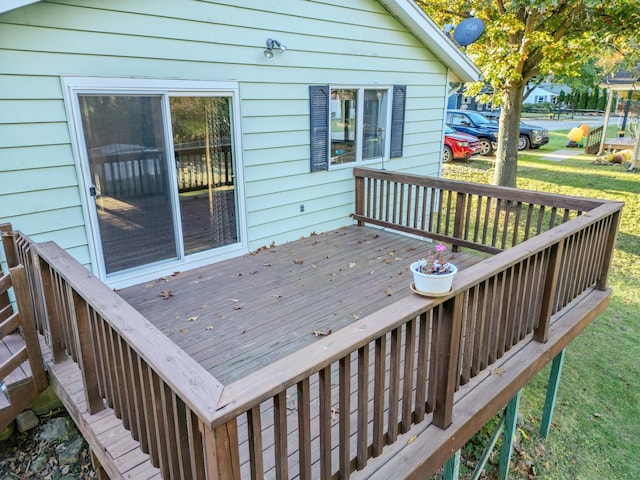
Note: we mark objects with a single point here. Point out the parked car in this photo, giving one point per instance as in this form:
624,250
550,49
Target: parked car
474,123
530,136
459,145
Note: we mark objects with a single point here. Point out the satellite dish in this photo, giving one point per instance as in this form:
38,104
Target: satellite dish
468,31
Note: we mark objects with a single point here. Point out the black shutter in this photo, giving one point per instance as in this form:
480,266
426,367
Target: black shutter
397,120
319,126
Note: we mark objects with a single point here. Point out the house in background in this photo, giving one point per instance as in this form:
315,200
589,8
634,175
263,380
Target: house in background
546,93
153,137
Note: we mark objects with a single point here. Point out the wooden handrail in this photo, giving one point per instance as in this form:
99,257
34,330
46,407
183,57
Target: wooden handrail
405,362
187,378
547,271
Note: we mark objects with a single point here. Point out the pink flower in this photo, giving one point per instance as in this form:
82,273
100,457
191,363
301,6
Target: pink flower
440,248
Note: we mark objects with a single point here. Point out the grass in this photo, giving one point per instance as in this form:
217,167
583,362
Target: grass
595,434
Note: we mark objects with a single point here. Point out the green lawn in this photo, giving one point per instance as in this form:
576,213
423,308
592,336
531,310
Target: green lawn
596,429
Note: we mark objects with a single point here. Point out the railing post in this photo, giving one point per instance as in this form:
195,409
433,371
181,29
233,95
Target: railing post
449,329
28,324
360,198
8,244
601,283
458,223
221,451
541,333
52,314
86,350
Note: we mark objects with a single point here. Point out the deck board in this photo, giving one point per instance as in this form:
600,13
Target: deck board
239,315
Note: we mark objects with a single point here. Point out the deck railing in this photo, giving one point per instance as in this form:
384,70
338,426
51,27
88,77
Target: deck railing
162,395
329,408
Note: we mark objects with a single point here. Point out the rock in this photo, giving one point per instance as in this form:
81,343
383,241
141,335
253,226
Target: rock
71,453
39,463
61,428
26,421
46,402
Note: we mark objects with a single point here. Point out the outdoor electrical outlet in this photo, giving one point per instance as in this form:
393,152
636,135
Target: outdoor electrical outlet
301,207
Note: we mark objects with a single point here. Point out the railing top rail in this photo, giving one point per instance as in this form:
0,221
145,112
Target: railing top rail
261,385
503,193
190,381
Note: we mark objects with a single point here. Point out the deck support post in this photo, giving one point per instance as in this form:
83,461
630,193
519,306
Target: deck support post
452,467
510,422
552,391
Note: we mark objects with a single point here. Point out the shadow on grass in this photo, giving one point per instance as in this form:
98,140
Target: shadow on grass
628,243
590,180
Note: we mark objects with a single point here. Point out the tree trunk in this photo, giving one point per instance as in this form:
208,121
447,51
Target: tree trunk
507,153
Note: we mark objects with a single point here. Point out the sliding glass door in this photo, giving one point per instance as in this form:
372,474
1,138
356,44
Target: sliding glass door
162,175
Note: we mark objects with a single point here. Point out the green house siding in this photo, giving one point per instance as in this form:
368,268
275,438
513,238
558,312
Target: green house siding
333,43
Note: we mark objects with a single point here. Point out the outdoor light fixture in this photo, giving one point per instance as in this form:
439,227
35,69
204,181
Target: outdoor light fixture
271,44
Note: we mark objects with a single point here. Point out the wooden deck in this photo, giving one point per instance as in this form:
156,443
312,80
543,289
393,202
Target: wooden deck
228,371
243,314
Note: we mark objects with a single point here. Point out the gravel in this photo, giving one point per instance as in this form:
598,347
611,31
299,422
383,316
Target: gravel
53,450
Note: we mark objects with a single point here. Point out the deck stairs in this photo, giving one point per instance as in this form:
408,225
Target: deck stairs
22,373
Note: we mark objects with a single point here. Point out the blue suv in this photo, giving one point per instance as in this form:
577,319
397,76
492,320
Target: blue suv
469,121
476,124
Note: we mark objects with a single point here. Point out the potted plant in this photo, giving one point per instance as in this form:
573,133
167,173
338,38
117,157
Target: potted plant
433,275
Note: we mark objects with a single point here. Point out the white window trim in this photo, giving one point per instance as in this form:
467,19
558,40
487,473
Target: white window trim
359,133
73,86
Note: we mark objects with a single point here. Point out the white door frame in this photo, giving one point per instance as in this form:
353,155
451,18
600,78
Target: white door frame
72,87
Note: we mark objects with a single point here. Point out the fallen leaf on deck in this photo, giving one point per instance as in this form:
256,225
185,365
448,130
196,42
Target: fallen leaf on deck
185,330
175,274
335,410
192,319
313,266
202,307
498,371
266,264
273,245
166,294
210,327
387,260
352,264
253,272
322,333
235,300
149,285
298,261
237,307
412,439
388,291
376,236
356,316
277,295
362,240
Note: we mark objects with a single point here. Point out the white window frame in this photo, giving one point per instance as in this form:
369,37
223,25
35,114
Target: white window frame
74,86
360,124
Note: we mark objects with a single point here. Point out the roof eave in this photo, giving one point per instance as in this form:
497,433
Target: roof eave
8,5
425,29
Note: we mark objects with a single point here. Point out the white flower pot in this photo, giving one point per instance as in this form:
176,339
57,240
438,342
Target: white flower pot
430,283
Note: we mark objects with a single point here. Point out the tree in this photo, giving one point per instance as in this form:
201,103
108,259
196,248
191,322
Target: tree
525,40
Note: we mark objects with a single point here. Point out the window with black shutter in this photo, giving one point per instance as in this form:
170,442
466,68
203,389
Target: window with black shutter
351,125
